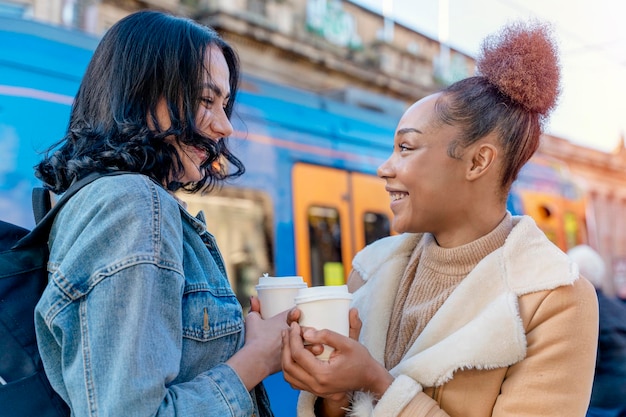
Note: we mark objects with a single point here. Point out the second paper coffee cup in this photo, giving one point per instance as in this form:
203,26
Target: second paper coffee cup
325,307
277,294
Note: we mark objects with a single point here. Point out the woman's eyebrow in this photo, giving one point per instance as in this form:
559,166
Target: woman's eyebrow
216,90
406,130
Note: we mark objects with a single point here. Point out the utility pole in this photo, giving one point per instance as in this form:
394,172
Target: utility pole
388,19
443,35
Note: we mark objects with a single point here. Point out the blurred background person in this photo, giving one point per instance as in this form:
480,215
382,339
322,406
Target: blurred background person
608,397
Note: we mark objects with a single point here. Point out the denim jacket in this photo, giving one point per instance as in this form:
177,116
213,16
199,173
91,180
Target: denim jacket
138,316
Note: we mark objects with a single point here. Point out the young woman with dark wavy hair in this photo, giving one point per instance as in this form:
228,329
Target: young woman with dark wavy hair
138,318
469,311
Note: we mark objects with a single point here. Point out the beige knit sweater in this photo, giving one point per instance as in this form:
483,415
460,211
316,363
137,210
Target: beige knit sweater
432,274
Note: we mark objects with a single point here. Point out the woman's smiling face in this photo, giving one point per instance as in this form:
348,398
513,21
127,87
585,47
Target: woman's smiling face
424,183
211,118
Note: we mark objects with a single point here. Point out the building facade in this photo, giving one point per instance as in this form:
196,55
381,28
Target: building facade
602,179
339,47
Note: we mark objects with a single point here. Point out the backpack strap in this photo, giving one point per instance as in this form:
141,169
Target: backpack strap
44,211
41,203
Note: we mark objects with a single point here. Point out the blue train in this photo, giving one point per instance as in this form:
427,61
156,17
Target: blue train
310,198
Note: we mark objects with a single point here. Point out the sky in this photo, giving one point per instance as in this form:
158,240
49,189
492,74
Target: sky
590,34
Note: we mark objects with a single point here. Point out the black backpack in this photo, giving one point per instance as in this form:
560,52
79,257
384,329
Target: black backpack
24,388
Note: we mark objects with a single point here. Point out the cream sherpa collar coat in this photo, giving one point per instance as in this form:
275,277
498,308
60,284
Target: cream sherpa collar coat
479,327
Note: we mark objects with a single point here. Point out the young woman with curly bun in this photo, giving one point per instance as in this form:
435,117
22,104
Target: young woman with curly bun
469,311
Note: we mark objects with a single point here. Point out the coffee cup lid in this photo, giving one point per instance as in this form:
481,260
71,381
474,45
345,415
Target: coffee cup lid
283,282
327,292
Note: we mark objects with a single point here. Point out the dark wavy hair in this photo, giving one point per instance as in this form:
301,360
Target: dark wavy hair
144,58
515,89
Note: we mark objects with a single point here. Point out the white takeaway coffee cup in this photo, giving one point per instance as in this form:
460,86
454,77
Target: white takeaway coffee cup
277,294
325,307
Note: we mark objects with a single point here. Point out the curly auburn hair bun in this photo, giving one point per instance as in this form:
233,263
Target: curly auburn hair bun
522,62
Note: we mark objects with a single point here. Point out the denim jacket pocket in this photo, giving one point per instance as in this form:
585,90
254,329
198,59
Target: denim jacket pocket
210,313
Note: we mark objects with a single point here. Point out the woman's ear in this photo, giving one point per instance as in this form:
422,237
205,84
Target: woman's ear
482,159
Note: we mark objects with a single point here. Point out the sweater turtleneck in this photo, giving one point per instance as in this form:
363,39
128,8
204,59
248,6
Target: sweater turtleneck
430,277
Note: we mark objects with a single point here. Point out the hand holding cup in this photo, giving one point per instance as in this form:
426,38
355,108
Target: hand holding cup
325,307
277,294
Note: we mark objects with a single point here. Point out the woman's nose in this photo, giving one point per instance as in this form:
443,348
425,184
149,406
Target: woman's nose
220,125
384,170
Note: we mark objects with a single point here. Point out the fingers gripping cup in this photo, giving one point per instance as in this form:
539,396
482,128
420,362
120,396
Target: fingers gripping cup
325,308
277,294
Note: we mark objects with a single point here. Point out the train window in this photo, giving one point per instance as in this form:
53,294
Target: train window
544,211
241,221
376,226
325,244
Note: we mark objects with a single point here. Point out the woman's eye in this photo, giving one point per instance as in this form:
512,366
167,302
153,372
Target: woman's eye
403,147
207,101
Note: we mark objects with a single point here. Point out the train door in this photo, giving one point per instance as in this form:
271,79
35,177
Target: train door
336,213
574,223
